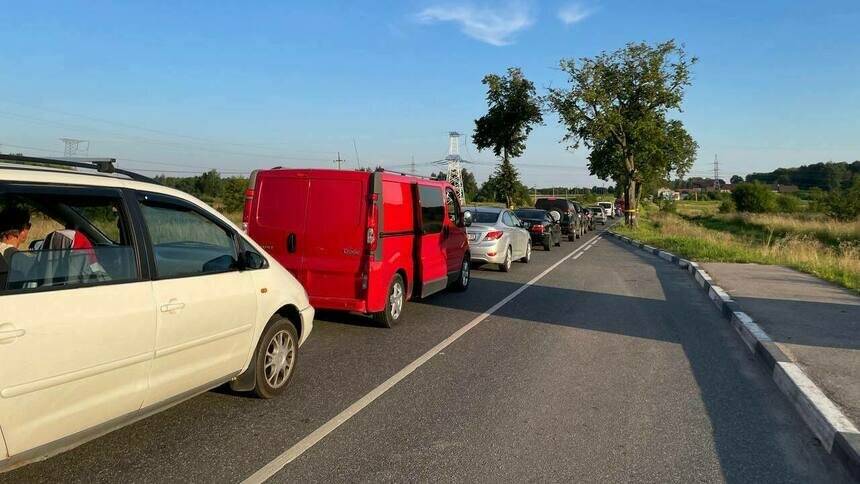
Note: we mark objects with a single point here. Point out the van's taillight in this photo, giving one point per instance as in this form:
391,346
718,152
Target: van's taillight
246,212
373,225
494,235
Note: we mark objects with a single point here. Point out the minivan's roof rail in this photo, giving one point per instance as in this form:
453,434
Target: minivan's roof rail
101,165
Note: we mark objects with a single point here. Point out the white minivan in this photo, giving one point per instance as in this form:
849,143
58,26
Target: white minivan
120,297
607,209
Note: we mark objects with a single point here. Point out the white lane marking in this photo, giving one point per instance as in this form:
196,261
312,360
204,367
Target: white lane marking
578,255
311,439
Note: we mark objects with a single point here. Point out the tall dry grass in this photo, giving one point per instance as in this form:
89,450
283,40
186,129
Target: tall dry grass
804,251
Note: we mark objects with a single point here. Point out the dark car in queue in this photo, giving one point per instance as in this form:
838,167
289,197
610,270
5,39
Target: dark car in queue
544,229
571,222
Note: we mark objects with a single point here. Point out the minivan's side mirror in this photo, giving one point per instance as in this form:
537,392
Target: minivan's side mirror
467,218
254,260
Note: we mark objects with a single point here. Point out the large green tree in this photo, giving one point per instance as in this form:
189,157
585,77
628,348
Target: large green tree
513,109
617,105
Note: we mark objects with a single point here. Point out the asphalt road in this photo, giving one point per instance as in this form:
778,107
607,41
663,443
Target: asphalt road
612,367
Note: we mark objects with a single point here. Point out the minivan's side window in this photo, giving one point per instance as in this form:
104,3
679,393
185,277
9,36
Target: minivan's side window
53,240
185,242
432,209
453,207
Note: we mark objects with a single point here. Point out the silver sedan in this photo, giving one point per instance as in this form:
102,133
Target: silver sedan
497,236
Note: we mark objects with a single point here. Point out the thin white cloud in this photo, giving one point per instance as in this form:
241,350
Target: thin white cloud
495,26
573,13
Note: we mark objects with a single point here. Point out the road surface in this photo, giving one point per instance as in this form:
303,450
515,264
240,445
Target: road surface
611,367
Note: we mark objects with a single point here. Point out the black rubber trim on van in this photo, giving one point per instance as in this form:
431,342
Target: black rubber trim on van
397,234
376,188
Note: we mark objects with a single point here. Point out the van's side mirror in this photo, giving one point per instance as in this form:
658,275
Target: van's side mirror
467,218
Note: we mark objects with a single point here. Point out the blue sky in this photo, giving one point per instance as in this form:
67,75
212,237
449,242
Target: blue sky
189,85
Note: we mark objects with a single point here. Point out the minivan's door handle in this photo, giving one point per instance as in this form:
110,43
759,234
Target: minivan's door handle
8,333
171,307
291,243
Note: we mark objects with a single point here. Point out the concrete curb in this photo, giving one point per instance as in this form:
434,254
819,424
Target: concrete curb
835,431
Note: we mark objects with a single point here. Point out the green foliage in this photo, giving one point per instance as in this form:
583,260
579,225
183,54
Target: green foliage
492,191
842,204
736,179
727,206
225,194
617,105
788,204
826,176
754,197
514,107
668,206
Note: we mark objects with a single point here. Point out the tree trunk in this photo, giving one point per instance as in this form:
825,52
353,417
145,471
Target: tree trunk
630,204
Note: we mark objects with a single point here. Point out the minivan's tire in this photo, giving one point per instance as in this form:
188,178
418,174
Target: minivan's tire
394,303
528,257
275,361
464,276
547,244
571,237
506,265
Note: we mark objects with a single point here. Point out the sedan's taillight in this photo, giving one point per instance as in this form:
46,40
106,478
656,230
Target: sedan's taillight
537,228
494,235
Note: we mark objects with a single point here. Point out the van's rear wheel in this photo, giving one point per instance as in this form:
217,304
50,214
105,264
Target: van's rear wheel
277,353
393,303
464,277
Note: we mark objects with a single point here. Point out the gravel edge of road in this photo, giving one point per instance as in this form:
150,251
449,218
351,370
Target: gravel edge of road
836,432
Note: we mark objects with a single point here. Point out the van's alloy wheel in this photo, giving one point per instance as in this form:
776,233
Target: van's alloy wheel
464,277
277,353
390,316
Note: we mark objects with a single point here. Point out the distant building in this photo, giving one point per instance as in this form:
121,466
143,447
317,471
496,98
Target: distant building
668,194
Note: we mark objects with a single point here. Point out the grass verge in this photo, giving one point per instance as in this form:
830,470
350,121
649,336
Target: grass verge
711,239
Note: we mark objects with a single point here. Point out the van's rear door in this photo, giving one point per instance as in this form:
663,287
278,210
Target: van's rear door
336,233
280,218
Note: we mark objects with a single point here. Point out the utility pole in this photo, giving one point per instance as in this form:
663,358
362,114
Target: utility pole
339,161
72,146
716,175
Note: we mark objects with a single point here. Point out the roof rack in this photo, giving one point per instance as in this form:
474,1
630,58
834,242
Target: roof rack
101,165
386,170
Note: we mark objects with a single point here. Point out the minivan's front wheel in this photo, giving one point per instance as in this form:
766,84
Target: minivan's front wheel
393,303
277,353
464,276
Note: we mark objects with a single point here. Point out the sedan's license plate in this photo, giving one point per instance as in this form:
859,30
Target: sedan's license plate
473,237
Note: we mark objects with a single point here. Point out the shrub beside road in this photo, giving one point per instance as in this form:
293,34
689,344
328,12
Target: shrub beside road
817,245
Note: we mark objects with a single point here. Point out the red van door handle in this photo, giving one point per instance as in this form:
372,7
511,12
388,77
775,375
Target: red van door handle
291,243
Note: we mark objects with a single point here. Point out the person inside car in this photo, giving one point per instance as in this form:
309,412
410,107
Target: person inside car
14,228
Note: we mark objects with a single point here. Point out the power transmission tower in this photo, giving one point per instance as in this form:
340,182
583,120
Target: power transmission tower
455,170
339,161
73,146
716,174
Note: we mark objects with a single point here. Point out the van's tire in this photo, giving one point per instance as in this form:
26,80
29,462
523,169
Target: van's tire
464,276
506,265
528,257
571,237
394,302
276,357
547,244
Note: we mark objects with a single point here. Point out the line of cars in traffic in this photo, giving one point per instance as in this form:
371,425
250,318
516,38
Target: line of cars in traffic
135,296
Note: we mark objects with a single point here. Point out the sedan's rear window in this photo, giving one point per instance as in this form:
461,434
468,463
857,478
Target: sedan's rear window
539,214
486,217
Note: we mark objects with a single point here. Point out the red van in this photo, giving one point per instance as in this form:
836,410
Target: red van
360,241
